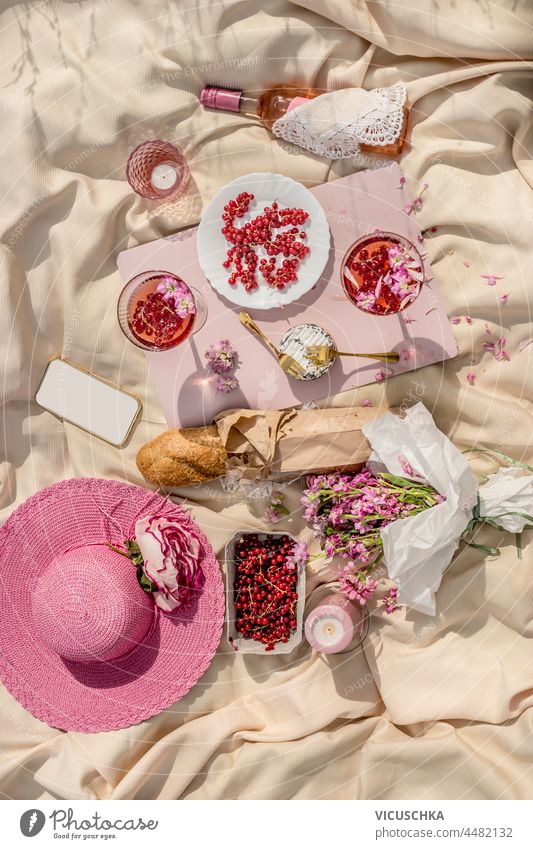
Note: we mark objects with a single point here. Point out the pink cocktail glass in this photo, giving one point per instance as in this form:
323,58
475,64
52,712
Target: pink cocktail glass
154,322
372,281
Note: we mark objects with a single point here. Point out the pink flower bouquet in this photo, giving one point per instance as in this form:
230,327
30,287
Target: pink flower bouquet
382,513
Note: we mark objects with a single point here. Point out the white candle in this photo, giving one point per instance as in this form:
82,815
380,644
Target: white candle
163,176
328,632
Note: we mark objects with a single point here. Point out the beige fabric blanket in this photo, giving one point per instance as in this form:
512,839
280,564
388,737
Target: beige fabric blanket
433,708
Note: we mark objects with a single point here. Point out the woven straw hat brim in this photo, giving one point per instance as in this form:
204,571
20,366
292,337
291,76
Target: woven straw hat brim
100,696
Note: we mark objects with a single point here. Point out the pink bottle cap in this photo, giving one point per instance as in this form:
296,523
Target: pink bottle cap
213,97
297,101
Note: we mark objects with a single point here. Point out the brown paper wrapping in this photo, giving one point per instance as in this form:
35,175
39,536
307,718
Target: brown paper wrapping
278,444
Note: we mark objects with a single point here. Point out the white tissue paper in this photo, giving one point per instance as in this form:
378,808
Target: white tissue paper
506,492
417,550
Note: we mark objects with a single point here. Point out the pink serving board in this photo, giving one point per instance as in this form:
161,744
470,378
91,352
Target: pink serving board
354,206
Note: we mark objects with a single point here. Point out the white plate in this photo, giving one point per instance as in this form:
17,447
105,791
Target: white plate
213,247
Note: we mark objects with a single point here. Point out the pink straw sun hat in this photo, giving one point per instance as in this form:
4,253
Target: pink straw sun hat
82,646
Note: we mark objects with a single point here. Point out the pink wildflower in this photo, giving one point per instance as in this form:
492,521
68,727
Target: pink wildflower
178,294
504,298
226,384
366,402
298,556
355,584
220,357
471,378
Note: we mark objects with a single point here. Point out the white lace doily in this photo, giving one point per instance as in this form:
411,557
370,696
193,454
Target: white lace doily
335,124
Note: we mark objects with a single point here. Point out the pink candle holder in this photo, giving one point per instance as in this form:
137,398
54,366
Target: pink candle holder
366,267
156,170
157,310
334,624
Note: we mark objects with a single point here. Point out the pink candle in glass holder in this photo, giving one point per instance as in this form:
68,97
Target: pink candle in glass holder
334,624
156,170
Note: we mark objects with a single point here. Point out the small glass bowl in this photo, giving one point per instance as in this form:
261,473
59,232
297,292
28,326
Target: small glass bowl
141,331
390,302
161,155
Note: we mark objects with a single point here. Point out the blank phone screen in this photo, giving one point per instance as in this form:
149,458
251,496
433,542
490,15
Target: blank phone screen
88,402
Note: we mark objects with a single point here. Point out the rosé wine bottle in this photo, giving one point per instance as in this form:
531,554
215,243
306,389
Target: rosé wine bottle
272,104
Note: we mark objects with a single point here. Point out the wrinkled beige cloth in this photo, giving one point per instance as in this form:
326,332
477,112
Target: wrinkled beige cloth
433,708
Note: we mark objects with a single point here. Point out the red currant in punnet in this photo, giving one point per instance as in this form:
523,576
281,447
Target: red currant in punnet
264,589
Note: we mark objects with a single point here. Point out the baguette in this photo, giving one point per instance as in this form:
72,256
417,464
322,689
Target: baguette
183,457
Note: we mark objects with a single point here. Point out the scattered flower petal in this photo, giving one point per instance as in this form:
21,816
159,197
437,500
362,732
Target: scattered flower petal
504,299
455,320
390,601
471,378
466,263
406,466
502,355
366,402
491,279
379,376
406,354
497,349
468,319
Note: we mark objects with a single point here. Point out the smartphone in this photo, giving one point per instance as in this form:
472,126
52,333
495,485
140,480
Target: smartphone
88,401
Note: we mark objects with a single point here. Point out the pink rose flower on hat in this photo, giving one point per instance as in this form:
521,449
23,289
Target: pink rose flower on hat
171,561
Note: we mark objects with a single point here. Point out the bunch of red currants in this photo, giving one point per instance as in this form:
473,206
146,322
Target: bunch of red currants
288,243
